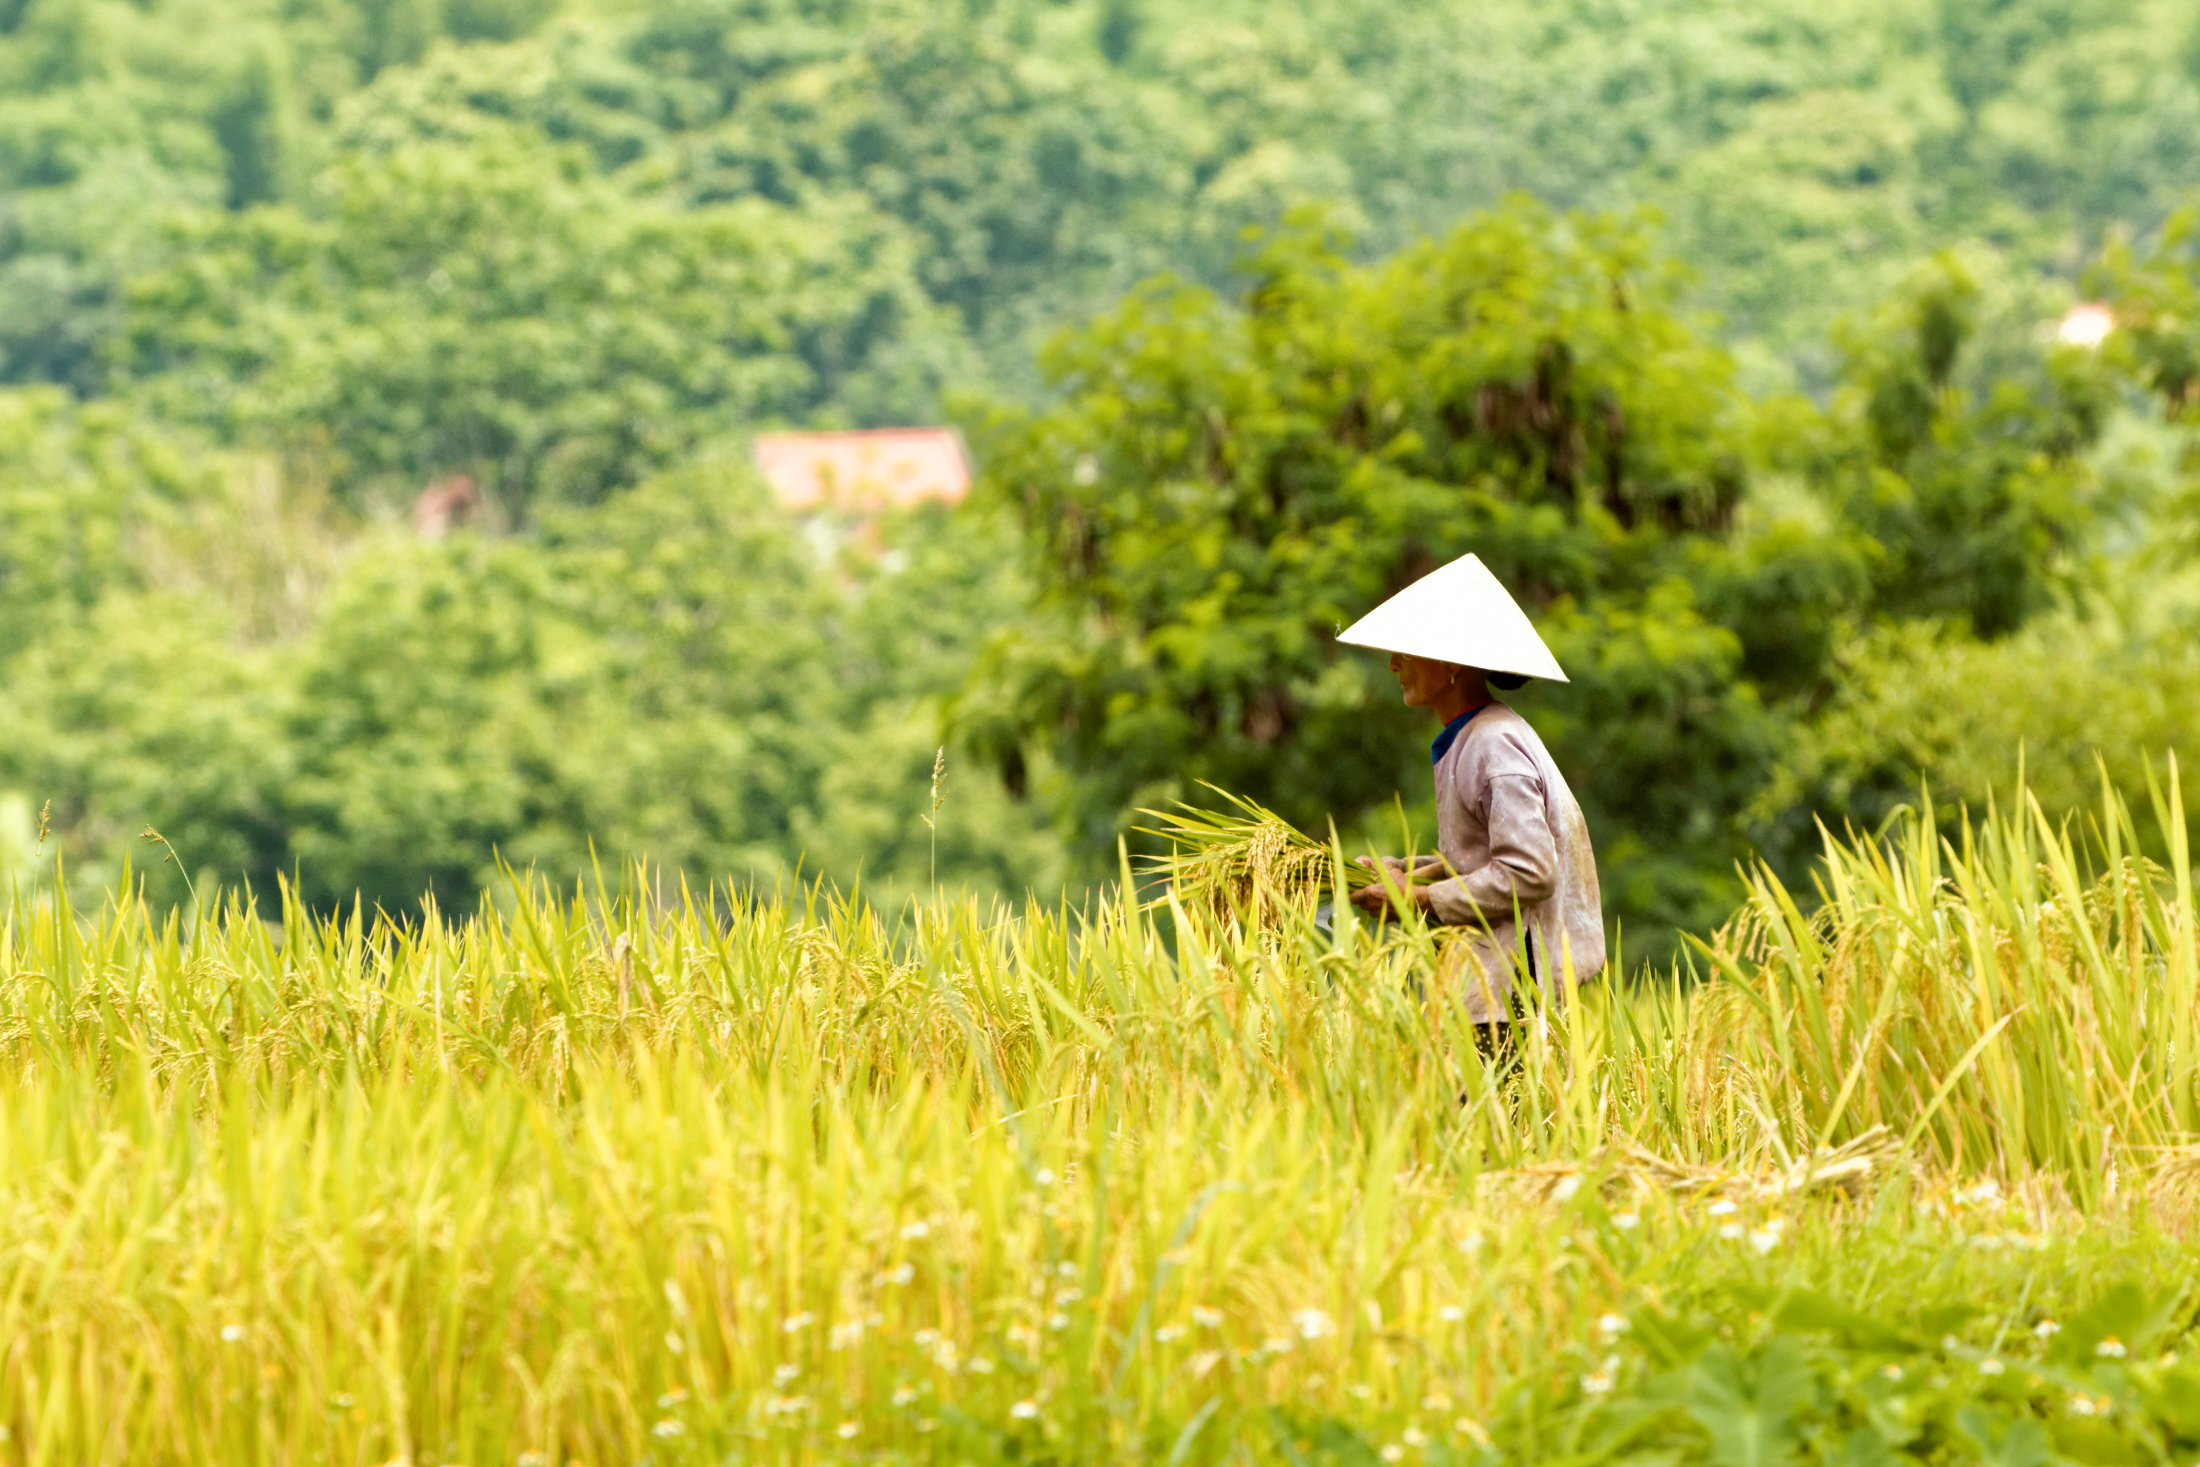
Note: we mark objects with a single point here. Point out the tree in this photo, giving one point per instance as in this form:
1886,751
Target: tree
1975,486
493,307
1221,489
650,675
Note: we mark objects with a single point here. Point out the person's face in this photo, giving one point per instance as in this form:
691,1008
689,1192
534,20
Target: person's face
1421,679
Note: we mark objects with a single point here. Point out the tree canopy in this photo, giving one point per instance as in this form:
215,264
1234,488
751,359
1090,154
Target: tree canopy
1724,332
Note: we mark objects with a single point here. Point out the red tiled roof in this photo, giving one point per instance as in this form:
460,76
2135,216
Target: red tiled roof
864,469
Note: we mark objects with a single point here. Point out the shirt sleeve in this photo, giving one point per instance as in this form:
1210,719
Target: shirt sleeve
1523,864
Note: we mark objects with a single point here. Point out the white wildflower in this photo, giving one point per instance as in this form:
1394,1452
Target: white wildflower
1724,1207
232,1334
1730,1231
900,1273
1025,1410
1413,1436
905,1395
1892,1372
2111,1349
1612,1324
666,1429
1206,1318
1451,1314
1392,1452
785,1373
980,1365
671,1399
1312,1324
1764,1240
2045,1329
1045,1177
1567,1186
916,1229
1057,1322
1626,1222
846,1431
1169,1332
1991,1366
794,1324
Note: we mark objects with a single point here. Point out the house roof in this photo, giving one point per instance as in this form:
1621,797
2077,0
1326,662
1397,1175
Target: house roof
864,469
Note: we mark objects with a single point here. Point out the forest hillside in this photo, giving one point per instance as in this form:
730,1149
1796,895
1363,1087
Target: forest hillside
1738,338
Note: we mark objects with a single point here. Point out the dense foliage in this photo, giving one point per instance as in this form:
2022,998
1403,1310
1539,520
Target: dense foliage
1221,490
267,272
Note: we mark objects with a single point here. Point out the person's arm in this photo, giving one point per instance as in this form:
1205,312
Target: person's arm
1420,869
1523,864
1397,877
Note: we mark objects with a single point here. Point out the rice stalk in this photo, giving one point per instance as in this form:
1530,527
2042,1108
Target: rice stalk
1243,864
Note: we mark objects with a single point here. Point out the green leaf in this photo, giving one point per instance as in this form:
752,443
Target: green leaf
1944,1319
1668,1341
2003,1443
2123,1316
1749,1404
2175,1397
1866,1448
1807,1311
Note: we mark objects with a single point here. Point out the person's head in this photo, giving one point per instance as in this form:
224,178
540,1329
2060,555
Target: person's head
1445,687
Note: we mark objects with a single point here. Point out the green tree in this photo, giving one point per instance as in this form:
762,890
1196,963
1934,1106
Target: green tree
74,483
1220,490
650,676
1976,488
494,307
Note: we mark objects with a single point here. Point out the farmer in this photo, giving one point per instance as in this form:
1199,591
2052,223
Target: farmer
1513,867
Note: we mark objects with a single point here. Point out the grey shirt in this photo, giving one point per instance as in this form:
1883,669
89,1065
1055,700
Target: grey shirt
1524,876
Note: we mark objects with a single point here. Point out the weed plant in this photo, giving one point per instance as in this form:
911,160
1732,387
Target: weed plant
1902,1174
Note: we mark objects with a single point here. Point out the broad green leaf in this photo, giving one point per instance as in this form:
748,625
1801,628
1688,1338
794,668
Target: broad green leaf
2001,1442
1749,1403
1866,1448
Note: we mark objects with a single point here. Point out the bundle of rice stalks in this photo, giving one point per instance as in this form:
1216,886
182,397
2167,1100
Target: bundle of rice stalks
1630,1169
1245,863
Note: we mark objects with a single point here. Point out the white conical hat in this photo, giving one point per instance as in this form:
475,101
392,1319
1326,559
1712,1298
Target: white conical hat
1458,613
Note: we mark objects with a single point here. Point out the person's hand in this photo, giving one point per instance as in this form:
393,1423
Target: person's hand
1375,899
1384,898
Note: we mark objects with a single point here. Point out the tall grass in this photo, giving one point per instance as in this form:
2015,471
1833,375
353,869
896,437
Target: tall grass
592,1178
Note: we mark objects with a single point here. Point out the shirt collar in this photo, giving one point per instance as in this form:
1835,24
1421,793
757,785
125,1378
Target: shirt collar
1442,745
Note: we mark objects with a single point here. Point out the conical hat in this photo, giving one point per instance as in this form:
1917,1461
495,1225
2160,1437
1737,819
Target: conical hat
1458,613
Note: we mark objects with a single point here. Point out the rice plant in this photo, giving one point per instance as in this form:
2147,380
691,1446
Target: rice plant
1245,862
733,1176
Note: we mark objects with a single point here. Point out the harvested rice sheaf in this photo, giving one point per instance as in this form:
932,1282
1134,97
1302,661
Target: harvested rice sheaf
1244,863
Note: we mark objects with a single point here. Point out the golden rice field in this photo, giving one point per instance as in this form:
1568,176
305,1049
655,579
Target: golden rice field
1902,1175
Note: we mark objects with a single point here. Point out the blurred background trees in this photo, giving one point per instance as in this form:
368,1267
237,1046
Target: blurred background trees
1726,332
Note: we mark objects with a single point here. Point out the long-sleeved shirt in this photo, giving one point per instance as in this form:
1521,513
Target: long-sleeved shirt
1526,878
